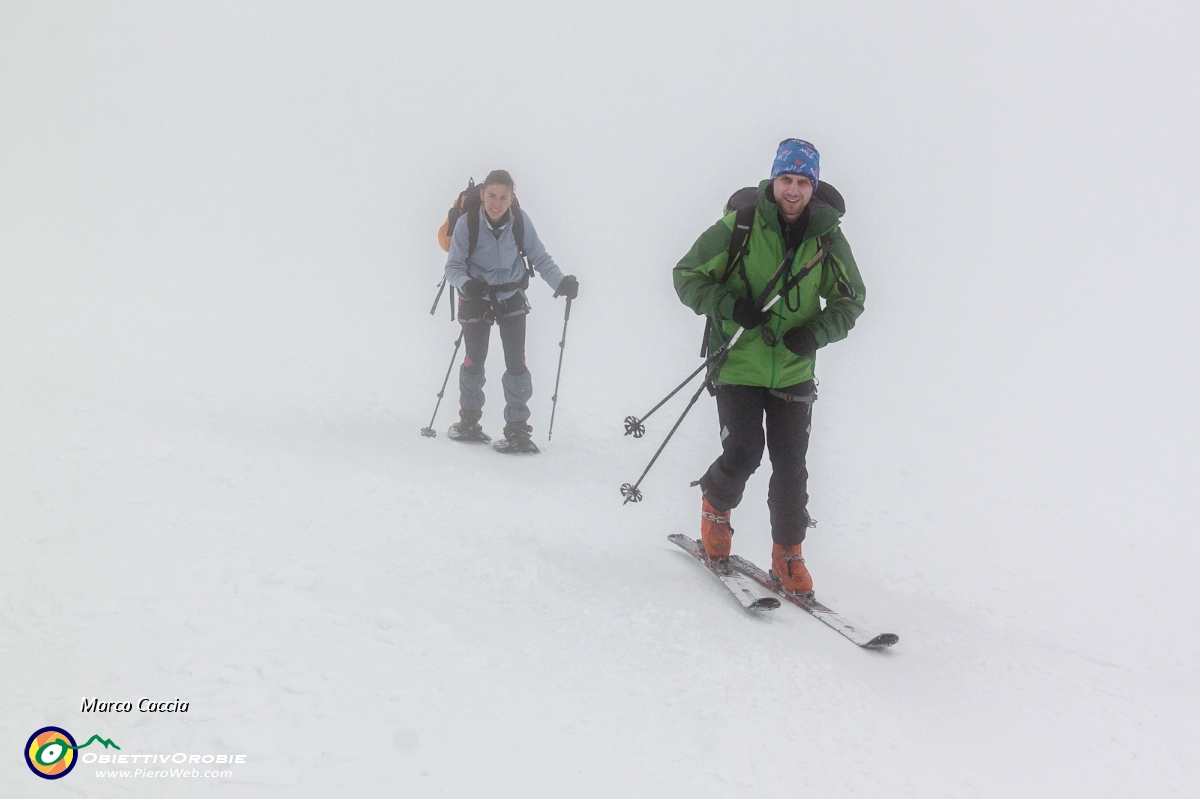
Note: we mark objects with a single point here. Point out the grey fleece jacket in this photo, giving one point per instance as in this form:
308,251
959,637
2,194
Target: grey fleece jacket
496,260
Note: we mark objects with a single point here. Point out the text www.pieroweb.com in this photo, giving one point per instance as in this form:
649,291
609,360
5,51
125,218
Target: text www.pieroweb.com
168,773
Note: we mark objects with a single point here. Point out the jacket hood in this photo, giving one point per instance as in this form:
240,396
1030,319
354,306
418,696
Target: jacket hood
825,209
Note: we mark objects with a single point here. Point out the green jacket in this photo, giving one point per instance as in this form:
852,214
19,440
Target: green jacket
751,362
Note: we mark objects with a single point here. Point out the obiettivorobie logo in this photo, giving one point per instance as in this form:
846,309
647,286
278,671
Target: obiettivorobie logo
50,752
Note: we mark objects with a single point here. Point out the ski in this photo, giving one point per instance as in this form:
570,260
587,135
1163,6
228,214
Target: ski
809,603
746,591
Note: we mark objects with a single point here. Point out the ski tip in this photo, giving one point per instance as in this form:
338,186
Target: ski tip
881,641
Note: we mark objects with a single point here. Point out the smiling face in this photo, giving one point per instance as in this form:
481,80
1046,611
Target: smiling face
496,199
792,193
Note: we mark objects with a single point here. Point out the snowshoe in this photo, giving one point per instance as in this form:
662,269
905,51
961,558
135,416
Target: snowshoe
516,440
467,429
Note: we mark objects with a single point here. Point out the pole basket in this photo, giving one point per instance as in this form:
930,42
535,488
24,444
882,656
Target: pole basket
428,432
631,493
634,427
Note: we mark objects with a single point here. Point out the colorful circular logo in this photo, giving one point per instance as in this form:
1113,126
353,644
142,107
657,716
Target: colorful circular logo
50,753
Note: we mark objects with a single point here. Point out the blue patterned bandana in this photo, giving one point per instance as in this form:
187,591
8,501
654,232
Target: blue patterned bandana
797,157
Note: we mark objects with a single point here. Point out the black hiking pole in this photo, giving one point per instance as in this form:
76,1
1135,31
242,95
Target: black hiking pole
429,432
635,426
562,347
631,492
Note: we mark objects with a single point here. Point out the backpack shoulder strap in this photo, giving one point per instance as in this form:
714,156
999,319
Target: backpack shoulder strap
472,214
740,240
518,229
518,226
738,250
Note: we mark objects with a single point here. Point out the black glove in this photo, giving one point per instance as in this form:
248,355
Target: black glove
473,289
569,288
800,340
748,316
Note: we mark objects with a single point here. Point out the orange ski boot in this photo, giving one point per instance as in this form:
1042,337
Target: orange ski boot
788,565
715,531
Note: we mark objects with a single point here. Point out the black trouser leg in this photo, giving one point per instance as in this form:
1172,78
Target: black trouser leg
788,425
476,336
740,411
512,337
517,382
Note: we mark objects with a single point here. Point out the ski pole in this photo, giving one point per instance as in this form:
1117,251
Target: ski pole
429,432
562,347
631,492
635,426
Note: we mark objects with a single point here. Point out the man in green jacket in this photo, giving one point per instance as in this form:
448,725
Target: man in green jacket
795,251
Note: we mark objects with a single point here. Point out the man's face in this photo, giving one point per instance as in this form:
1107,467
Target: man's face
792,193
496,200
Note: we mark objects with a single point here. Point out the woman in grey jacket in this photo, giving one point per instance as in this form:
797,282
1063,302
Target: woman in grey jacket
491,275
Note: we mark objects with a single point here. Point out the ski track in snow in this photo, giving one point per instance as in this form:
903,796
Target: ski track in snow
216,259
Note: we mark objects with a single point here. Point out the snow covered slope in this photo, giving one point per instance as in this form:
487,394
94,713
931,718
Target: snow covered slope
216,262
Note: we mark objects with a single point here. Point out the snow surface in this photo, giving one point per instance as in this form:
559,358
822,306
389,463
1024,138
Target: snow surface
217,256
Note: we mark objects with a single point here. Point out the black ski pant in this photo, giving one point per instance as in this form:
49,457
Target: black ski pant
741,410
477,337
477,317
